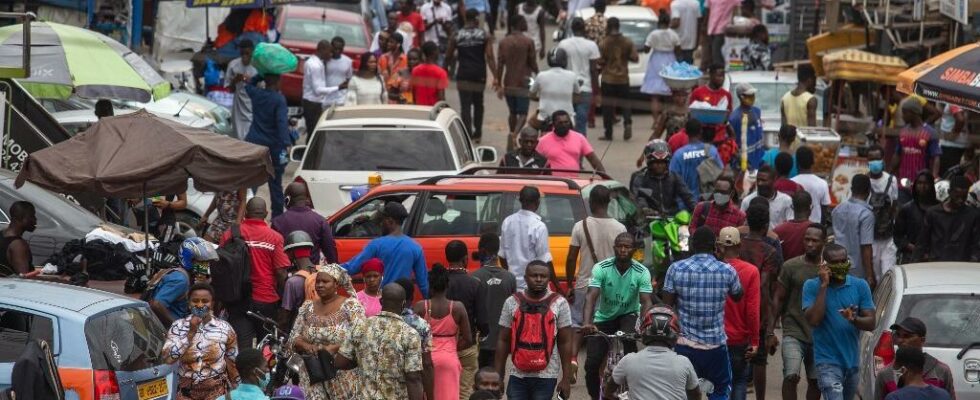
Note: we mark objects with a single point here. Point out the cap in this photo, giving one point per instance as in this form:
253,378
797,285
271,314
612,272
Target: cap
395,210
745,89
911,324
289,392
729,236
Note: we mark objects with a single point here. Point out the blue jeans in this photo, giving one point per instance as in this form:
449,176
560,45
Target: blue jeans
741,371
836,382
531,388
581,108
711,365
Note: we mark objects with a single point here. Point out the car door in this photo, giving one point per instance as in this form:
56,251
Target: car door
448,216
461,144
355,226
19,326
884,299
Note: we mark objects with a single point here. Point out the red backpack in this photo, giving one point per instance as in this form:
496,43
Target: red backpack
532,333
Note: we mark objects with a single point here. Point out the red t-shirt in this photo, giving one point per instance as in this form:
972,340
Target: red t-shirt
417,24
713,97
427,81
791,235
742,318
677,140
265,249
786,186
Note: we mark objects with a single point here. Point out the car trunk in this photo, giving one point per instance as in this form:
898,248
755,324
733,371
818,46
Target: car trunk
125,347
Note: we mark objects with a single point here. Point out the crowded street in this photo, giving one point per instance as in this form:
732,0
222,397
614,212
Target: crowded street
486,199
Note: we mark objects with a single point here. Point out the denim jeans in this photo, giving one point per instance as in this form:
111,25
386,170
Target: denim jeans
741,371
796,356
581,108
711,365
531,388
836,382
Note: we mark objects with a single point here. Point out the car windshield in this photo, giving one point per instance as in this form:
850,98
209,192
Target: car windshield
205,109
953,319
125,339
313,30
374,150
637,30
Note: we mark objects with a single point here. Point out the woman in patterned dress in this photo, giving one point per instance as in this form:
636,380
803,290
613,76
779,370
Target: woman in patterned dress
230,207
324,324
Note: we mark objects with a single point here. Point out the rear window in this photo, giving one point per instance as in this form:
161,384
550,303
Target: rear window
17,328
126,339
308,30
558,212
953,320
636,30
379,150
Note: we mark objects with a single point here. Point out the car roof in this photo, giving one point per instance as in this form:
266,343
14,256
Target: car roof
946,275
621,12
321,12
54,297
500,182
387,114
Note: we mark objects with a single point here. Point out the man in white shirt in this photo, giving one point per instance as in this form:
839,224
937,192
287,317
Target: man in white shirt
438,17
555,87
241,110
817,187
524,238
684,15
780,204
315,87
339,69
583,58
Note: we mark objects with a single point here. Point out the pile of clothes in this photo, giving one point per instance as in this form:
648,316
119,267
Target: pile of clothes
105,253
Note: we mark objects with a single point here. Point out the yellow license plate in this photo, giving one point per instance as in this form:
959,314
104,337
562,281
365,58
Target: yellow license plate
153,390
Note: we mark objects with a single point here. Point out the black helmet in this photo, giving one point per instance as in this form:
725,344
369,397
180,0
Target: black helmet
557,58
657,150
659,324
298,239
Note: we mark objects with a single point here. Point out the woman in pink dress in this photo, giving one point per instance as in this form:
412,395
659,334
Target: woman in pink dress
370,297
450,333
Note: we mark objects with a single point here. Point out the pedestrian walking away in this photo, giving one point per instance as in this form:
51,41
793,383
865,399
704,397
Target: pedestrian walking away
663,44
496,285
301,217
516,61
464,289
270,128
450,332
429,80
854,224
799,106
556,87
791,232
583,59
742,318
616,52
911,364
472,49
400,254
524,238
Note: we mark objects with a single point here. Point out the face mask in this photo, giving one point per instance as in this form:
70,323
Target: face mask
264,380
562,130
839,271
876,166
200,312
722,198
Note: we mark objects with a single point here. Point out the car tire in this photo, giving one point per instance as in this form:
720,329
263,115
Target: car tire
187,224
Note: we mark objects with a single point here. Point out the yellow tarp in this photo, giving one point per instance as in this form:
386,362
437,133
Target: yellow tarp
857,65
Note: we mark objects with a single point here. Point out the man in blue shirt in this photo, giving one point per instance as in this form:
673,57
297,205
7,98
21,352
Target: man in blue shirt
254,373
400,255
752,144
270,128
854,228
838,306
686,160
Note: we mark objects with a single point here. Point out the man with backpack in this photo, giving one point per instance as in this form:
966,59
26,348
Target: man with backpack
698,161
720,211
254,253
620,290
536,331
884,205
167,290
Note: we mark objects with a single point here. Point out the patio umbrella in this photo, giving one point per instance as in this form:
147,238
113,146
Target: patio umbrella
140,154
952,77
67,59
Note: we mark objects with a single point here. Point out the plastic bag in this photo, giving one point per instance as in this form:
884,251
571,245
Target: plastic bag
272,58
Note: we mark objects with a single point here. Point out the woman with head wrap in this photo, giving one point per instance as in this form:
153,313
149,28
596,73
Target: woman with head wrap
370,297
324,323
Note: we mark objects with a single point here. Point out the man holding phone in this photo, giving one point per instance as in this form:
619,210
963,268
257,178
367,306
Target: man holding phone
838,306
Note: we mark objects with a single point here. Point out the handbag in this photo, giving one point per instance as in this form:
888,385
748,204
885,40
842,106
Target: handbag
319,366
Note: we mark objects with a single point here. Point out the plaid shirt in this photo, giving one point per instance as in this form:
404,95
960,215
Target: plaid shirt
702,283
716,217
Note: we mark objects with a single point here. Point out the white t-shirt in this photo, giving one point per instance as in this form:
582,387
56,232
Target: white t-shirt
662,40
688,11
878,186
819,193
603,232
563,318
780,207
580,52
362,91
656,373
555,88
430,12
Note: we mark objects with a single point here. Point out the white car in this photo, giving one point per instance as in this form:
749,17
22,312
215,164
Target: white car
636,23
944,295
397,141
77,121
771,86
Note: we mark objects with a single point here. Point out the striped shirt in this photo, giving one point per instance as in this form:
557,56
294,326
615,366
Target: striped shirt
701,284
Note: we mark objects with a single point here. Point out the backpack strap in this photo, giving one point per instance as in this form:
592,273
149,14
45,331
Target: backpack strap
588,239
888,185
236,231
703,215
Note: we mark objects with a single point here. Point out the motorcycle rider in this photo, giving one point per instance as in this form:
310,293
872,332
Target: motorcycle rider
655,187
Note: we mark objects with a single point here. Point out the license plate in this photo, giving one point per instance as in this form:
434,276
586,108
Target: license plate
153,390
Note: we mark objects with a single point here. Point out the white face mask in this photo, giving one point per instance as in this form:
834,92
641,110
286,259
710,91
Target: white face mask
722,199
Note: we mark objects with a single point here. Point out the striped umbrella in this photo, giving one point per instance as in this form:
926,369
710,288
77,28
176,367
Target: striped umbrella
68,60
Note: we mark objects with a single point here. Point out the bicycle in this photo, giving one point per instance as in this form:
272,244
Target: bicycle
613,356
284,366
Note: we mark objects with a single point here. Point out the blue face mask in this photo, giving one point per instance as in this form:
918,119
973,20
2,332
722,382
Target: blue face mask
200,312
264,380
876,166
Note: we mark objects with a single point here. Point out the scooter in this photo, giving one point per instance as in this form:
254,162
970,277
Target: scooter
668,241
284,366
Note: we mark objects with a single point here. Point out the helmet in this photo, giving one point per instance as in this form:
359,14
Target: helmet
298,239
659,324
288,392
973,197
658,150
196,249
557,58
942,190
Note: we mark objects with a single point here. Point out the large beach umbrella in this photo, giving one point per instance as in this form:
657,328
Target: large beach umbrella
952,77
68,60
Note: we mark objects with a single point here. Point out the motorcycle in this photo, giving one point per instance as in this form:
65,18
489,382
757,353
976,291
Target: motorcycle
284,366
669,236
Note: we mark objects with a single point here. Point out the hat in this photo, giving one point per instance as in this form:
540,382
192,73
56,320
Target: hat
911,324
729,236
912,105
373,264
745,89
289,392
394,210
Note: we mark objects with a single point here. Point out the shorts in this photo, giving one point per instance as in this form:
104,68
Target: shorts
578,307
796,355
762,356
518,105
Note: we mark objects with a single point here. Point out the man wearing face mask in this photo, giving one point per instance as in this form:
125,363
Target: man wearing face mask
911,333
951,230
884,204
910,363
837,306
780,204
254,372
720,211
655,187
564,148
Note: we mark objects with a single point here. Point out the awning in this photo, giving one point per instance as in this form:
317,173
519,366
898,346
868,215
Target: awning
952,77
857,65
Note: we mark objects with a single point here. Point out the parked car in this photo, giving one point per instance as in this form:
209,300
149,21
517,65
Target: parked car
188,108
302,26
451,207
771,86
106,346
945,297
77,121
399,141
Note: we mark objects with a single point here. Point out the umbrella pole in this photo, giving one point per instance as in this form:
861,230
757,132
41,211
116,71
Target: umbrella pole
146,233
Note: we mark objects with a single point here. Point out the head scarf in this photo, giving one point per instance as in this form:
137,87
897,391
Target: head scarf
340,275
373,264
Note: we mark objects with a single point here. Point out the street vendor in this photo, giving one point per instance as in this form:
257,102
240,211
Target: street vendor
746,125
715,95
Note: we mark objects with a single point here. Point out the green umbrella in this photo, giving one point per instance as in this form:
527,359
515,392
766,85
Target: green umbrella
68,60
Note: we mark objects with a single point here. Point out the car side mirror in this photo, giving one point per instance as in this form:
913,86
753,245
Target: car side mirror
487,154
297,153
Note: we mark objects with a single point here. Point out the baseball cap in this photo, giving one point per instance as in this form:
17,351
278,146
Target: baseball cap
394,210
745,89
729,236
911,324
